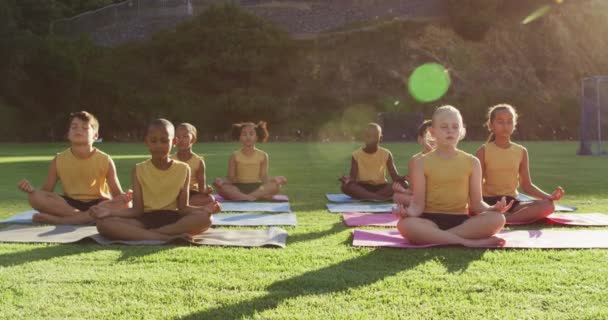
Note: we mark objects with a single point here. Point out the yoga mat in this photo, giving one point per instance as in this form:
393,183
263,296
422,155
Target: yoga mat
231,206
544,239
342,198
358,219
359,207
276,197
254,219
22,217
275,237
282,219
558,207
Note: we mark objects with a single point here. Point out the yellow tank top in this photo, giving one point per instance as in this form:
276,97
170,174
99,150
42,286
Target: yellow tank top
501,176
447,183
371,166
248,167
195,164
83,179
160,188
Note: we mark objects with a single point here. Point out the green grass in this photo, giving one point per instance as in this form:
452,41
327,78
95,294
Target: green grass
319,275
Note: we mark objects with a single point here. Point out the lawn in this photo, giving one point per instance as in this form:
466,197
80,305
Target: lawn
319,275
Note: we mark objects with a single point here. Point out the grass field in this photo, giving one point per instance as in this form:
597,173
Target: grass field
319,275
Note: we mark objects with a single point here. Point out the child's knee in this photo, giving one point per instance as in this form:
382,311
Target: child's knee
36,199
104,226
495,220
548,206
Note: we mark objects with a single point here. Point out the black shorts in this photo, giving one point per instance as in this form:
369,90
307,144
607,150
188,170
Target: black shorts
445,221
372,187
248,188
159,218
492,201
82,205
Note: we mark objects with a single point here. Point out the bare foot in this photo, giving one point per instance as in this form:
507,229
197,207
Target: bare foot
485,243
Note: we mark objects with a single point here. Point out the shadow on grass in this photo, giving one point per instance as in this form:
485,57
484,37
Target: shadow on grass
335,228
52,251
351,274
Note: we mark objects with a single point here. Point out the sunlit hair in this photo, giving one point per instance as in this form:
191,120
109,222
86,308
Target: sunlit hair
261,130
423,128
492,115
190,128
86,117
375,126
162,123
449,109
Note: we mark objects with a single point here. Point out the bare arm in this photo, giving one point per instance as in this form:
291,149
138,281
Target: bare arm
264,169
418,203
232,169
475,196
51,177
354,169
112,180
183,199
392,170
481,155
526,181
201,177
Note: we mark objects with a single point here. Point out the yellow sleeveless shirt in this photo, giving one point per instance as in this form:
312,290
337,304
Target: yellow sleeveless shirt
160,188
371,166
248,167
501,176
83,179
447,183
195,164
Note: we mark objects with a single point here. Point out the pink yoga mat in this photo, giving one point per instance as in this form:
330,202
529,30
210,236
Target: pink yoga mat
358,219
558,239
276,197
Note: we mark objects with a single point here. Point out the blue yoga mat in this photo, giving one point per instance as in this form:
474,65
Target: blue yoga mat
230,206
228,219
342,198
22,217
359,207
558,207
254,219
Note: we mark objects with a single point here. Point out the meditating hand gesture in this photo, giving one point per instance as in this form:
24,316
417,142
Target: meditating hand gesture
502,206
557,194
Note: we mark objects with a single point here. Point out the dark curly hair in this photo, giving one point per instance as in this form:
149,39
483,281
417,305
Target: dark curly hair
261,130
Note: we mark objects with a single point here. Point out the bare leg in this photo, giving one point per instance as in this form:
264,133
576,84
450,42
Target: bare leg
201,199
81,217
358,192
531,212
483,225
194,222
423,231
230,192
127,229
50,203
387,191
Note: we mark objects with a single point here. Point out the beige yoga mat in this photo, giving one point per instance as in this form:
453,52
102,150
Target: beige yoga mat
274,237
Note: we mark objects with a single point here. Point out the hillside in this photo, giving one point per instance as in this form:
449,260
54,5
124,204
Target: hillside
226,65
